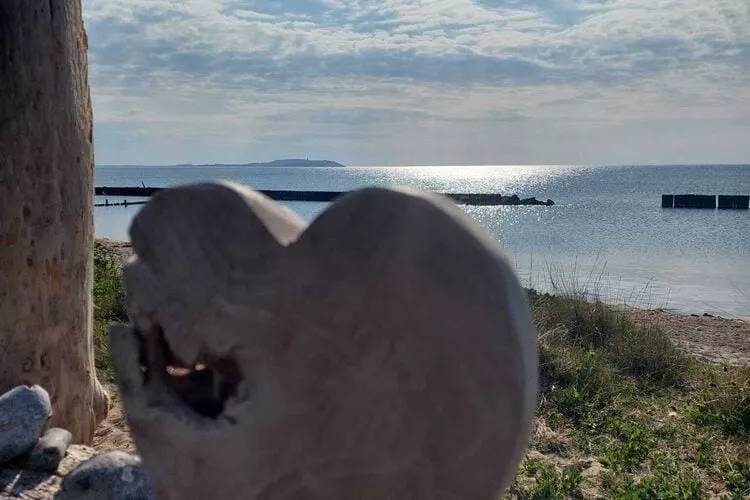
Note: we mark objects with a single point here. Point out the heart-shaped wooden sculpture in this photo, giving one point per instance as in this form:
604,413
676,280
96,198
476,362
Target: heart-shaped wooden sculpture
384,352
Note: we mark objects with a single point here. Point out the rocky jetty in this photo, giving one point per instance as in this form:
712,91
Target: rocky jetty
481,199
495,199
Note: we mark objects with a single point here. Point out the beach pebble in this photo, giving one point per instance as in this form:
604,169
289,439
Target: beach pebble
18,481
23,413
110,476
49,450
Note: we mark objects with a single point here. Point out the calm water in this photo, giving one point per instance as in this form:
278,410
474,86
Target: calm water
606,231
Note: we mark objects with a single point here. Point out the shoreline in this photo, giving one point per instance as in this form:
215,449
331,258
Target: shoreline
707,338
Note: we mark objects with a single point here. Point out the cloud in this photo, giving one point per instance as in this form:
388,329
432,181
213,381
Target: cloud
336,72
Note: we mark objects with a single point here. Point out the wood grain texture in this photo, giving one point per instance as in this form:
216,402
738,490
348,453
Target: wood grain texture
384,352
46,214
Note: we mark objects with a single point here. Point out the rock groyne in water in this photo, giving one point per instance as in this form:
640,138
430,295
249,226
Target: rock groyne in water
487,199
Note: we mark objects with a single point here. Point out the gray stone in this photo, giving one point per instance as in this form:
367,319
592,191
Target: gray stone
27,484
110,476
19,482
23,413
49,450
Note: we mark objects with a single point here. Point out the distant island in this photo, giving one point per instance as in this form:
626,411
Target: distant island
287,162
297,162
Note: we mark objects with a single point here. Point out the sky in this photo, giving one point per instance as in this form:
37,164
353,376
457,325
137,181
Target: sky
420,82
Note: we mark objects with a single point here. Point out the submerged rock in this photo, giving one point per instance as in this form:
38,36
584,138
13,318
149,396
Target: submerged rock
534,201
23,412
110,476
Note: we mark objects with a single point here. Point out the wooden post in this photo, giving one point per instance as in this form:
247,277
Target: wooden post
695,201
734,202
707,201
46,214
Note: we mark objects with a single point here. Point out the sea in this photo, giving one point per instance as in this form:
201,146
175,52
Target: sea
606,237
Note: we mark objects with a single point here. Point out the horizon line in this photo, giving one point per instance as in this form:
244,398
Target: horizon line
255,164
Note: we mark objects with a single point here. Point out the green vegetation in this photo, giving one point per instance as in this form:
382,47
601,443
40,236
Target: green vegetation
109,305
623,414
634,415
551,484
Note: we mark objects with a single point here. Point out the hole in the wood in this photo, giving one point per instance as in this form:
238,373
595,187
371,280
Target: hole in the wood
142,357
204,386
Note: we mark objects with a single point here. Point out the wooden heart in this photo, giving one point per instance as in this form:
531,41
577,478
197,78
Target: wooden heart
384,352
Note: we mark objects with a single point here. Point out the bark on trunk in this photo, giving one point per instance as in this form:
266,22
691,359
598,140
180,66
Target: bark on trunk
46,210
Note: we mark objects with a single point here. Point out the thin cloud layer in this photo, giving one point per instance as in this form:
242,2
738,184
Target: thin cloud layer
420,82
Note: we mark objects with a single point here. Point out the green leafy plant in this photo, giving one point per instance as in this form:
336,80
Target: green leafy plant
724,402
656,486
737,480
629,450
551,484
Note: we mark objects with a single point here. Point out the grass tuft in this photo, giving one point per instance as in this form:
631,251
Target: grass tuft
645,353
548,483
109,306
724,401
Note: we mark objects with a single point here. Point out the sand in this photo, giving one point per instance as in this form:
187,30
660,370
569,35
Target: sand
711,339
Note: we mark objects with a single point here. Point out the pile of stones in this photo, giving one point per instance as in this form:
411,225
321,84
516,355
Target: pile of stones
42,464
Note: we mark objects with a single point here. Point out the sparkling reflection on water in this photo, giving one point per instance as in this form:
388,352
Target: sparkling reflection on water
606,232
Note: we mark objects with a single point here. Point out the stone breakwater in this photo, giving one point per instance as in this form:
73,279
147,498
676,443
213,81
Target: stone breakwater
323,196
42,464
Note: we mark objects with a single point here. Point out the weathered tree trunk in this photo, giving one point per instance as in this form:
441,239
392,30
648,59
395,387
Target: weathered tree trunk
46,214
